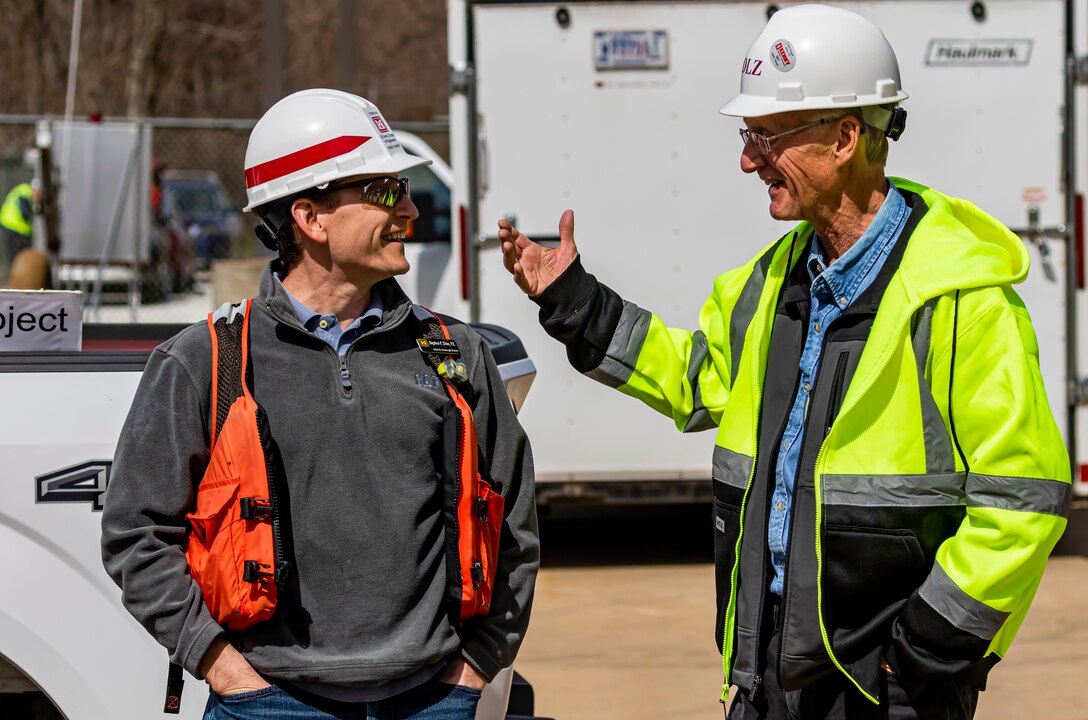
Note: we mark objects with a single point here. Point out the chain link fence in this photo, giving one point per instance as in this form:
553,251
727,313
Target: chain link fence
197,237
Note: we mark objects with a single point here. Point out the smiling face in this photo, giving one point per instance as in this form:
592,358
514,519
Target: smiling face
800,169
363,240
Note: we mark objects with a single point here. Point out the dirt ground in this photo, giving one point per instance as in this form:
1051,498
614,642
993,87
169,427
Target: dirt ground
622,626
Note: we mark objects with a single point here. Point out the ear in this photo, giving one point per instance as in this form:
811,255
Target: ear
307,217
849,139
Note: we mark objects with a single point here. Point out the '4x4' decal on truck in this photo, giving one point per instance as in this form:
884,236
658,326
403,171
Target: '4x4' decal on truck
85,482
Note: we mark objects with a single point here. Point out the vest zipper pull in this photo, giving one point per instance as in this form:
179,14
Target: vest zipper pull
755,688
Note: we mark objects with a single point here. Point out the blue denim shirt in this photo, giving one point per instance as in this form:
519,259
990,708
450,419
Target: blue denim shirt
834,288
327,328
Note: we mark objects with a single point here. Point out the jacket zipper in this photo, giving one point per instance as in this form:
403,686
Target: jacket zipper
757,681
727,640
457,489
345,374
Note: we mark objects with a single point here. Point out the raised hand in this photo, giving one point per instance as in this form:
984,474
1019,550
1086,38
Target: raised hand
533,266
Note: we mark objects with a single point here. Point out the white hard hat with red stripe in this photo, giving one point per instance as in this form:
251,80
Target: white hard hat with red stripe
816,57
314,137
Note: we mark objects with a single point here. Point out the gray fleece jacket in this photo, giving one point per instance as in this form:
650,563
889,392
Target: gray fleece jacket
364,602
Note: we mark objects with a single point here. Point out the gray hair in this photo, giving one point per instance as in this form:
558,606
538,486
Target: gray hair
876,142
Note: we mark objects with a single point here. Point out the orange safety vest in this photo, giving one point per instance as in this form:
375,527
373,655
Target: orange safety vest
471,502
233,551
234,545
237,530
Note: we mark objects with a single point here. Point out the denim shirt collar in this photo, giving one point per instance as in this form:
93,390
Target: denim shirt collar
840,281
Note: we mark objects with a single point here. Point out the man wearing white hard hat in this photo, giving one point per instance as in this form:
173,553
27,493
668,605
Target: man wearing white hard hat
888,478
322,502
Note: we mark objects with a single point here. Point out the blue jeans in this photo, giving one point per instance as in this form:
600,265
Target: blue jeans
430,701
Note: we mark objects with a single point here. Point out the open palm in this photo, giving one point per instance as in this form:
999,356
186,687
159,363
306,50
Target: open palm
534,266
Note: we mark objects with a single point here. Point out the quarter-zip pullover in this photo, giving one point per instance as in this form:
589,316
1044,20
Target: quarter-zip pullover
365,603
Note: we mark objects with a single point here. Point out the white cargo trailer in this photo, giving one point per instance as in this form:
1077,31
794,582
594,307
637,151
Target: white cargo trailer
611,108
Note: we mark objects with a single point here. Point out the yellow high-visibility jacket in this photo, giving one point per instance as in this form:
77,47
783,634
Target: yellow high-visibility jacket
935,482
15,213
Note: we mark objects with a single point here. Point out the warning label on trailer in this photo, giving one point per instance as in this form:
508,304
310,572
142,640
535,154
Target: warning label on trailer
978,52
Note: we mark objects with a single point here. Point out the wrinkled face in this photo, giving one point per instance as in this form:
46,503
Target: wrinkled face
365,237
799,169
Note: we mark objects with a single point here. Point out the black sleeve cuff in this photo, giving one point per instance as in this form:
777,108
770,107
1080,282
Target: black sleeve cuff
581,313
925,647
566,294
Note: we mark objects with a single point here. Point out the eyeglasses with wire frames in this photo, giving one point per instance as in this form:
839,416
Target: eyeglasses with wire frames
762,143
385,191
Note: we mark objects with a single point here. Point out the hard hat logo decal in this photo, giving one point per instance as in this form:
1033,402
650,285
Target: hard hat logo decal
390,140
293,162
751,67
783,56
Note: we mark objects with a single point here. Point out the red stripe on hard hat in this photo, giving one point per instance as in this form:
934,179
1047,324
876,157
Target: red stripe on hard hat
292,162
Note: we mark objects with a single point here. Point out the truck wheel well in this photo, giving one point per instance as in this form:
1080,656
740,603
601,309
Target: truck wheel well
20,698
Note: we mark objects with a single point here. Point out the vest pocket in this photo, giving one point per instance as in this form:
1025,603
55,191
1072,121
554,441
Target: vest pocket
212,542
866,569
488,517
215,502
726,519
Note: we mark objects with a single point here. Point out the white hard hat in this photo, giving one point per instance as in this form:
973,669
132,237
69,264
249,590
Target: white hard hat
313,137
815,57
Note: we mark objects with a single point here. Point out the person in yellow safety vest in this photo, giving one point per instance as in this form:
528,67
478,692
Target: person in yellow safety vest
888,477
17,220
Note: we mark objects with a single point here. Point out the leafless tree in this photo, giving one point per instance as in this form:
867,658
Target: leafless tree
203,58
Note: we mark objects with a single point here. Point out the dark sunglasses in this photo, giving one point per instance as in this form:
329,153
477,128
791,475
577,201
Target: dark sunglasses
385,191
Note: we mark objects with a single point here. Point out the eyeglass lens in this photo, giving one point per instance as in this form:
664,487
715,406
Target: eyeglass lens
385,191
761,142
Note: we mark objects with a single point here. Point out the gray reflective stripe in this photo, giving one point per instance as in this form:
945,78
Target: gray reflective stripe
229,311
932,490
622,353
959,608
700,417
938,446
745,309
1049,497
731,468
922,330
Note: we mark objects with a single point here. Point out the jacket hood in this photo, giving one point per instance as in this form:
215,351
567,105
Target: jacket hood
957,246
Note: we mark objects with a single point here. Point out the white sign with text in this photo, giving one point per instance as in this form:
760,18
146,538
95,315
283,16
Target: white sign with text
41,320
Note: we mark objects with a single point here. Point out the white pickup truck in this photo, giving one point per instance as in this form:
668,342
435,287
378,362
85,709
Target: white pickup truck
68,649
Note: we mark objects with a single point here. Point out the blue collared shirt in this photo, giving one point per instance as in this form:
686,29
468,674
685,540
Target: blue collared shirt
834,288
327,327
